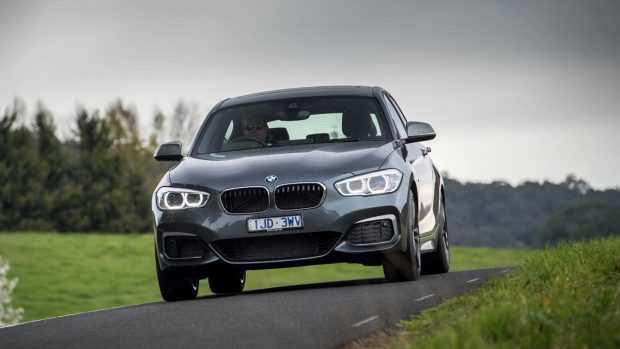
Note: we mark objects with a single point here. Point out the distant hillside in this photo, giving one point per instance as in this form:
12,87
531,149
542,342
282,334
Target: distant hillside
530,214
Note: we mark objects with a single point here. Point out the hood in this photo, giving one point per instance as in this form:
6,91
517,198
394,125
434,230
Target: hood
311,162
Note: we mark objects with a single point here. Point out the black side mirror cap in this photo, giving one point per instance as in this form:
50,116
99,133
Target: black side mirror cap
419,131
170,151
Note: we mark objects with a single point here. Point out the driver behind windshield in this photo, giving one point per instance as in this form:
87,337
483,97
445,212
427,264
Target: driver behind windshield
255,127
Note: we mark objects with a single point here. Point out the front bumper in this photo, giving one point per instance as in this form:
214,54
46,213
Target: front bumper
336,215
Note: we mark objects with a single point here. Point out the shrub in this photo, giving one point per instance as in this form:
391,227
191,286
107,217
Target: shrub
8,314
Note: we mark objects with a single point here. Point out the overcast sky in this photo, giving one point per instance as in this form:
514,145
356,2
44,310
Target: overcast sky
516,90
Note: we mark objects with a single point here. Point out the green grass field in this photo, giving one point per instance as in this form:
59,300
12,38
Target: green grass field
567,297
68,273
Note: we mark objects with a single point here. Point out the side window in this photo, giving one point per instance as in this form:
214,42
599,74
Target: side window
375,122
402,117
400,127
228,132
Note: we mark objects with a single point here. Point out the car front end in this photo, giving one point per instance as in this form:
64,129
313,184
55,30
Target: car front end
277,218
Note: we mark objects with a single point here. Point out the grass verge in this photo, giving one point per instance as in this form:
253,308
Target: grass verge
67,273
567,297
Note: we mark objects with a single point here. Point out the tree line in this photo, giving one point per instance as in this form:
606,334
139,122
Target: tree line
101,177
530,214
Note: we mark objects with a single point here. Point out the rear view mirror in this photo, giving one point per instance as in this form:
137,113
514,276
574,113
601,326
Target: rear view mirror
419,131
293,115
170,151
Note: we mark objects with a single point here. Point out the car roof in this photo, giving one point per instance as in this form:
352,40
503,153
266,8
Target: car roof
300,92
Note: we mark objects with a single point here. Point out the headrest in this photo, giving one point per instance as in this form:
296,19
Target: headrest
356,123
279,134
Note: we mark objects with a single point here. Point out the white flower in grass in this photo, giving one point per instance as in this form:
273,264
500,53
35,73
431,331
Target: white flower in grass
8,314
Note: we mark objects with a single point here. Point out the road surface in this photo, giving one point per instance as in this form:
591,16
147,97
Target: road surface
307,316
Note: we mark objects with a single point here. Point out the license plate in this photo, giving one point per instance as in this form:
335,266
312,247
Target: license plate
275,223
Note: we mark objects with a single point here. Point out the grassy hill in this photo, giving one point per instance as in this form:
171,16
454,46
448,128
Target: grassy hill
567,297
67,273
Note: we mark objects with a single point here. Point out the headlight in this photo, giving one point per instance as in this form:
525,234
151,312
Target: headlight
178,198
373,183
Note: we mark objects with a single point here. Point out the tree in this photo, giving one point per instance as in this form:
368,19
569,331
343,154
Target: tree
52,162
134,160
584,219
180,125
22,175
107,192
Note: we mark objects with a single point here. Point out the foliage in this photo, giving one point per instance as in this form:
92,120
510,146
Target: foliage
182,124
99,180
107,191
8,314
584,219
69,273
498,214
563,298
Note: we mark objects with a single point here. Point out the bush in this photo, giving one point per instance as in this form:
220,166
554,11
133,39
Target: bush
8,314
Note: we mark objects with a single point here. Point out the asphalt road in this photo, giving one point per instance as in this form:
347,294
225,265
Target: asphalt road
309,316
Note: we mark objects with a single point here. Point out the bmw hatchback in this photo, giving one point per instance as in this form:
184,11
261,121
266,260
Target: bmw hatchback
299,177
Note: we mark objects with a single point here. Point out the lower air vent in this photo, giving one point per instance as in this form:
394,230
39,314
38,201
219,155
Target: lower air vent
371,232
278,247
183,247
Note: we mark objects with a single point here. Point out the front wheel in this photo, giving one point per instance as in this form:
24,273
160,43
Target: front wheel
400,266
438,261
227,280
175,287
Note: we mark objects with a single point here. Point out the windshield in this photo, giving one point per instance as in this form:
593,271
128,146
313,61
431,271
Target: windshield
292,122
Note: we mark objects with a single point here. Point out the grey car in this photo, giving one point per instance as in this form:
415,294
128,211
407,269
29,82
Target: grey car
299,177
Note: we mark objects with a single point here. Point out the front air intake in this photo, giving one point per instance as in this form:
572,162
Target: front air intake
183,247
371,232
276,247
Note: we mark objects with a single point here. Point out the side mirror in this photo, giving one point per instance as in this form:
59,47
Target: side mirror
170,151
419,131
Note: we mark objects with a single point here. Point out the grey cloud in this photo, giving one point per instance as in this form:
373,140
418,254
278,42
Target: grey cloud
492,66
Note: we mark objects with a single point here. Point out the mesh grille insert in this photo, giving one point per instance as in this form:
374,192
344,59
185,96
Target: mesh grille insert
301,195
371,232
183,247
245,200
276,247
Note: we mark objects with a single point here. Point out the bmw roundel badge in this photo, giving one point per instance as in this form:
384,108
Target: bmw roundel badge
271,178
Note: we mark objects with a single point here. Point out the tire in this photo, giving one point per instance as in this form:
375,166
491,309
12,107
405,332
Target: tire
229,280
438,261
414,262
391,266
398,266
175,287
